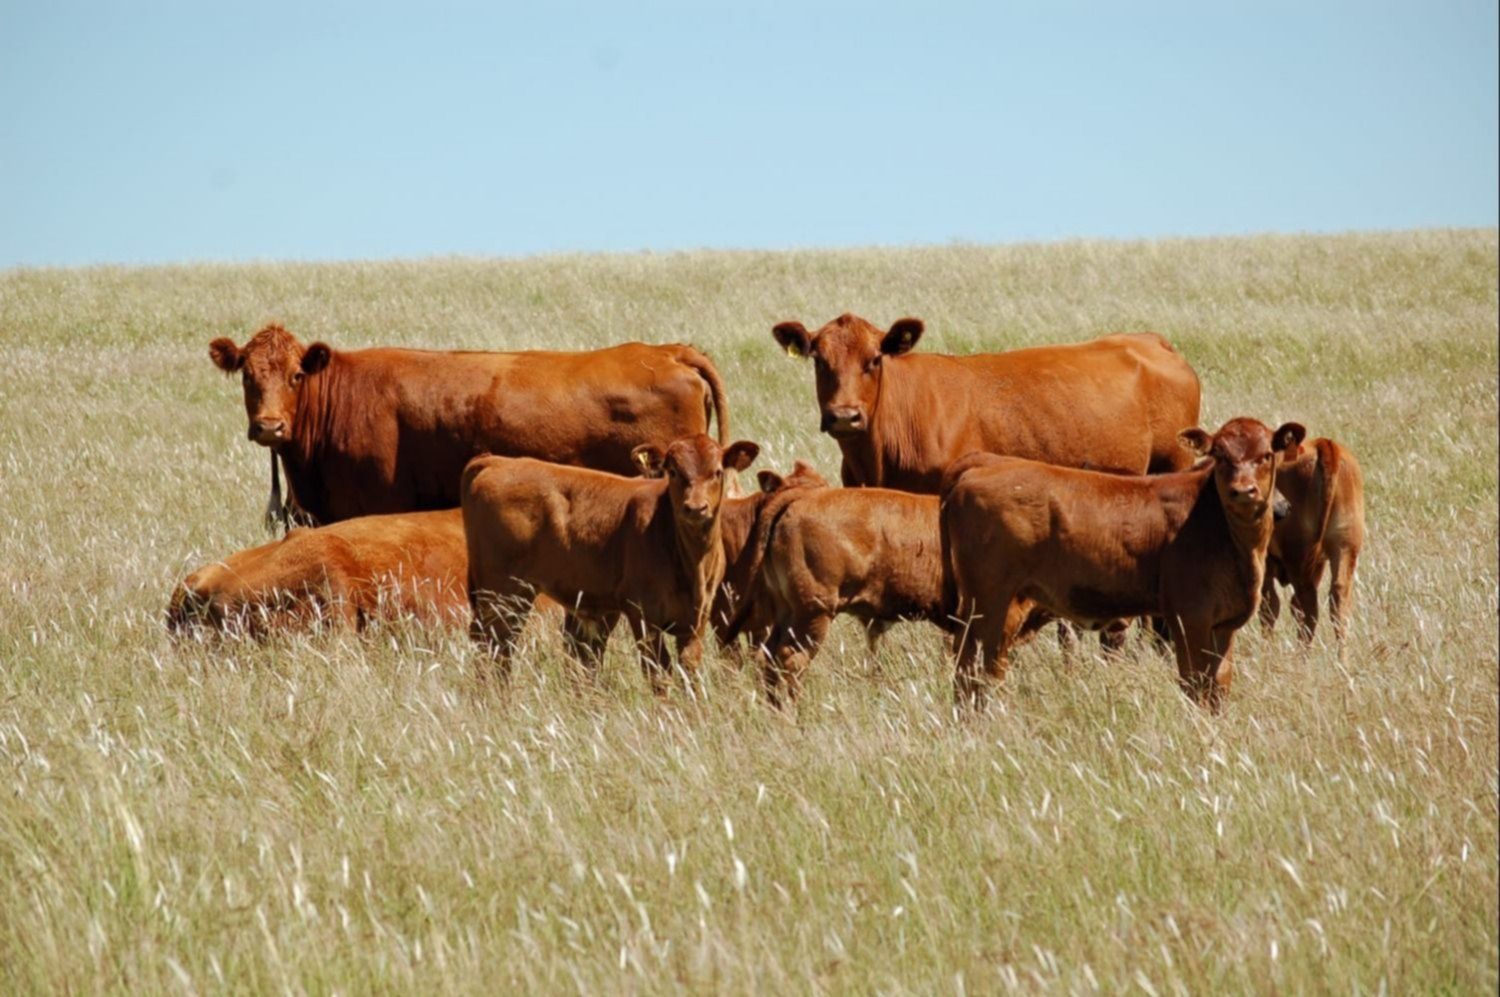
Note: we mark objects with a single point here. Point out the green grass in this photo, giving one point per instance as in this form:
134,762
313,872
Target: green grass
344,814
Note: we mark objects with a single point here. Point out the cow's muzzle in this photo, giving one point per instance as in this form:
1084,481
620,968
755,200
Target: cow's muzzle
1280,507
268,432
843,421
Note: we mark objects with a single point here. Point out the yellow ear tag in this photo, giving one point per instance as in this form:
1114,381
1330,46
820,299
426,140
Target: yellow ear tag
792,351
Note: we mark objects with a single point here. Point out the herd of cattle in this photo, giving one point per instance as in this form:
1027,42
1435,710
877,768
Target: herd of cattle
987,494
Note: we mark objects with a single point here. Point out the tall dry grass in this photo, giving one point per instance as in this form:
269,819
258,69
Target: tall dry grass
339,813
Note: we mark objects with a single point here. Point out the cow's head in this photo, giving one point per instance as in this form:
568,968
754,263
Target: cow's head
273,366
694,469
848,355
1245,454
803,475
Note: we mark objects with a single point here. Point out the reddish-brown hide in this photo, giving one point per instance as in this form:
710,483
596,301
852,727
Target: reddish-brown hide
737,521
1324,531
648,549
873,553
389,430
1189,547
901,417
372,567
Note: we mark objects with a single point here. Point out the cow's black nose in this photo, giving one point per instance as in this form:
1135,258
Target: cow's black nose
842,419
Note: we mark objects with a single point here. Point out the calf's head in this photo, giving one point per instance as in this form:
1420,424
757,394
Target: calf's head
803,475
694,468
848,355
1245,453
273,367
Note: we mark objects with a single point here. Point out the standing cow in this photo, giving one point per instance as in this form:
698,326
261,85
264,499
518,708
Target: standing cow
603,546
390,430
1190,548
900,417
1325,529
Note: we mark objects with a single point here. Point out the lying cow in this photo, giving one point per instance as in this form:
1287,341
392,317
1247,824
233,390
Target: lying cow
389,430
1188,547
1324,530
873,553
648,549
409,565
901,418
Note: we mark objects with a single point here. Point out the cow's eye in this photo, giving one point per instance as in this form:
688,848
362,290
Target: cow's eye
296,378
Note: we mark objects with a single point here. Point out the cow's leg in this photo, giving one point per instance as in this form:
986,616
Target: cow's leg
1067,641
1270,601
874,631
798,646
656,664
1341,591
690,661
997,634
1305,599
1112,639
1201,650
586,638
497,619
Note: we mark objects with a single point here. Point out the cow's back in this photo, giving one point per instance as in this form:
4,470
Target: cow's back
566,531
868,547
395,427
1114,403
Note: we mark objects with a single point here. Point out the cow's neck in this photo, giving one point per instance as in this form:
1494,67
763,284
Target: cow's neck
312,426
699,550
888,445
1249,539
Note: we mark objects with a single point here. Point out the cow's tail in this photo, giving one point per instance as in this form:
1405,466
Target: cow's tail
775,507
951,476
1328,476
699,361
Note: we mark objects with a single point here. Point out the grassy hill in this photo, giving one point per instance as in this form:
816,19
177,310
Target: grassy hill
344,813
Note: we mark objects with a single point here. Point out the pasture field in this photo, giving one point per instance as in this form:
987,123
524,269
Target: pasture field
347,814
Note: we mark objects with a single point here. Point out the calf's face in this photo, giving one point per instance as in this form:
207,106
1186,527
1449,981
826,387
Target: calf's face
1245,454
273,366
694,469
847,355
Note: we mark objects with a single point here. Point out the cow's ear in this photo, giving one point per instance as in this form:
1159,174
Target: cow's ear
1288,437
649,458
740,455
769,480
316,357
225,355
794,338
1197,440
903,335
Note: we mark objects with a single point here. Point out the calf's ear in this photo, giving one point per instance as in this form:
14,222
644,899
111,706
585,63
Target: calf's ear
769,481
793,337
225,355
316,357
1288,437
740,455
1196,440
902,336
649,458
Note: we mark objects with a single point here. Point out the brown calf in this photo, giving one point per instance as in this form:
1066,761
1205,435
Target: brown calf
1189,547
389,430
1324,530
901,417
873,553
370,567
736,523
603,546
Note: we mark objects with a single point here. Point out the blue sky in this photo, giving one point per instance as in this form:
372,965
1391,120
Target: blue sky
161,132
